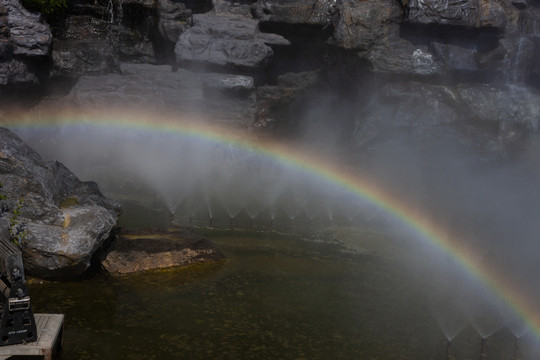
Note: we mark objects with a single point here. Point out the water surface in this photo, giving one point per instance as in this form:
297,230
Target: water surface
275,297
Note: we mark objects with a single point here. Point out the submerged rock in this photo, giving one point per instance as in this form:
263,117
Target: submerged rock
65,219
140,250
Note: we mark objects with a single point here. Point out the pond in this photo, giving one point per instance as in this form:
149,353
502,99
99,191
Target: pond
335,295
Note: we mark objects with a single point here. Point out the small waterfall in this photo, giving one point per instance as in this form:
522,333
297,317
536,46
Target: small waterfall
522,62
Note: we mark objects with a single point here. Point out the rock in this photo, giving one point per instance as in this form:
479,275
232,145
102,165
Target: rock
66,219
228,82
402,57
362,24
455,57
510,108
223,40
84,48
472,13
295,12
156,88
135,46
487,122
16,72
372,27
520,4
275,102
73,58
174,18
23,38
223,7
140,250
29,34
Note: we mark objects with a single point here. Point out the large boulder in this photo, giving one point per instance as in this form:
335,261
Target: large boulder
226,40
65,219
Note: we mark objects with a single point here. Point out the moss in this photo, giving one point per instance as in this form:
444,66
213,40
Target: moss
69,202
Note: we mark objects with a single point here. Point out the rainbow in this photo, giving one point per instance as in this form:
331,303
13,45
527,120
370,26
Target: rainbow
344,178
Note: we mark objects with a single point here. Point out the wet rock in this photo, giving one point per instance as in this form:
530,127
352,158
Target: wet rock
372,27
29,34
228,82
140,250
16,72
362,24
275,102
473,13
84,48
487,122
23,38
225,41
66,220
513,109
174,19
401,57
295,12
455,57
75,58
135,46
231,7
156,88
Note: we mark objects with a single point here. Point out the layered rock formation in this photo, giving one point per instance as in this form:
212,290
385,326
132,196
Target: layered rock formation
65,219
24,40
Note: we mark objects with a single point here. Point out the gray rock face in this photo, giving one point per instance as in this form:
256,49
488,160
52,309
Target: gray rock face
362,24
85,48
157,88
296,11
372,27
470,13
492,121
274,102
224,40
30,36
174,19
23,36
66,219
